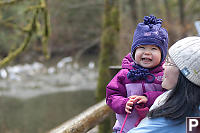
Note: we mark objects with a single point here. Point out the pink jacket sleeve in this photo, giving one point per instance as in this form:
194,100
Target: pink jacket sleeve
116,96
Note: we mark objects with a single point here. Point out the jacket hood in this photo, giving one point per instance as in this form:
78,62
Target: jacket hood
128,62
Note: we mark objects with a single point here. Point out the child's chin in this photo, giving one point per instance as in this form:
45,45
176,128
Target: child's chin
147,65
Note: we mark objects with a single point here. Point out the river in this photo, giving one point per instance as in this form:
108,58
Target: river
35,98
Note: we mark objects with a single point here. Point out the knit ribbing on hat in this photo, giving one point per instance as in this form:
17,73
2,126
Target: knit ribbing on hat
186,55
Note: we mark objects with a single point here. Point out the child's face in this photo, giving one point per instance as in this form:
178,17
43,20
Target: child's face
148,56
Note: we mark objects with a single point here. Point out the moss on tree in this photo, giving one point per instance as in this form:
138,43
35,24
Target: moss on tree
30,29
109,41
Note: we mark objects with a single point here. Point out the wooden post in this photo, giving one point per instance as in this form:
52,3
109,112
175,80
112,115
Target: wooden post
114,70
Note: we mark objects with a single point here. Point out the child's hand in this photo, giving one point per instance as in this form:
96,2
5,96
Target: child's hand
129,105
133,100
139,99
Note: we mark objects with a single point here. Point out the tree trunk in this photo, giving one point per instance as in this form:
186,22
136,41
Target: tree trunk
144,8
182,17
109,40
170,24
167,9
134,13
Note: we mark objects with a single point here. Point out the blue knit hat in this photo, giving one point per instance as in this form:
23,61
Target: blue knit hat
150,32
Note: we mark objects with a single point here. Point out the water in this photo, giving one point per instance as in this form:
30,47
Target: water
30,80
35,98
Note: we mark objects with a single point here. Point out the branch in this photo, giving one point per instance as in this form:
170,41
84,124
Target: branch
46,30
13,25
84,49
15,53
31,28
11,2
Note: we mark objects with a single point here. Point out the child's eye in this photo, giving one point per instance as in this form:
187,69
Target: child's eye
141,47
154,48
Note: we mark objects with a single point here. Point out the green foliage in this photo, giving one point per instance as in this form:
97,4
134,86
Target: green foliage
10,34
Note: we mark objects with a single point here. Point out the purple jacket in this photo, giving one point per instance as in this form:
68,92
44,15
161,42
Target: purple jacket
120,88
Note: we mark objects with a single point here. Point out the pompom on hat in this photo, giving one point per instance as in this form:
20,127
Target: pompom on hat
150,32
186,55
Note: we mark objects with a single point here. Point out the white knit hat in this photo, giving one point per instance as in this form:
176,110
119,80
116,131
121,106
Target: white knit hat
186,55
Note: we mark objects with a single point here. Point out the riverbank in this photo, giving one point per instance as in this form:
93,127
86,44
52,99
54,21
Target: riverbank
30,80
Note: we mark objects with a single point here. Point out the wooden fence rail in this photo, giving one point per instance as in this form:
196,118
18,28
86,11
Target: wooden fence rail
86,120
89,118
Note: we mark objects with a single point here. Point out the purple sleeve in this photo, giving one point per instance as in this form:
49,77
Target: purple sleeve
116,96
151,96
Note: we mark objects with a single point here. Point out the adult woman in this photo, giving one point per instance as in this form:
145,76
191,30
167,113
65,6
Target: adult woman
182,79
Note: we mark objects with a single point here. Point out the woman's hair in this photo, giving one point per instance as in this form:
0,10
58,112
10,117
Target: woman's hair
183,101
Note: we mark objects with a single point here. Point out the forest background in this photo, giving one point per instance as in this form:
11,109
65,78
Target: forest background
76,26
53,30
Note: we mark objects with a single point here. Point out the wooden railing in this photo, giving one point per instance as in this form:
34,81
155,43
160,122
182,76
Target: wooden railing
86,120
89,118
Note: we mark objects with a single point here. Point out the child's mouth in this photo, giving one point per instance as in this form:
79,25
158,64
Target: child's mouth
146,59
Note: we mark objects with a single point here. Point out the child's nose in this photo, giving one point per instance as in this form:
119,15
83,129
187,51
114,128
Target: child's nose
147,51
